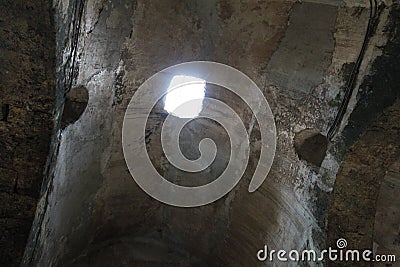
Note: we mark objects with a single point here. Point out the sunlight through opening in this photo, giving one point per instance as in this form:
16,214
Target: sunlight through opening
181,90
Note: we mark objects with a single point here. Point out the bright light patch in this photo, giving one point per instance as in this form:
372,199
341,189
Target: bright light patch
181,90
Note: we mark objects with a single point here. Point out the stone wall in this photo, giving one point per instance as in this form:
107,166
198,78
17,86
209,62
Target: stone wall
91,210
27,98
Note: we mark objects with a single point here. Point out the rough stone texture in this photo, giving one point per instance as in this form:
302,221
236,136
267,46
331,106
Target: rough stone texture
364,167
380,87
88,190
352,212
306,50
387,224
27,94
